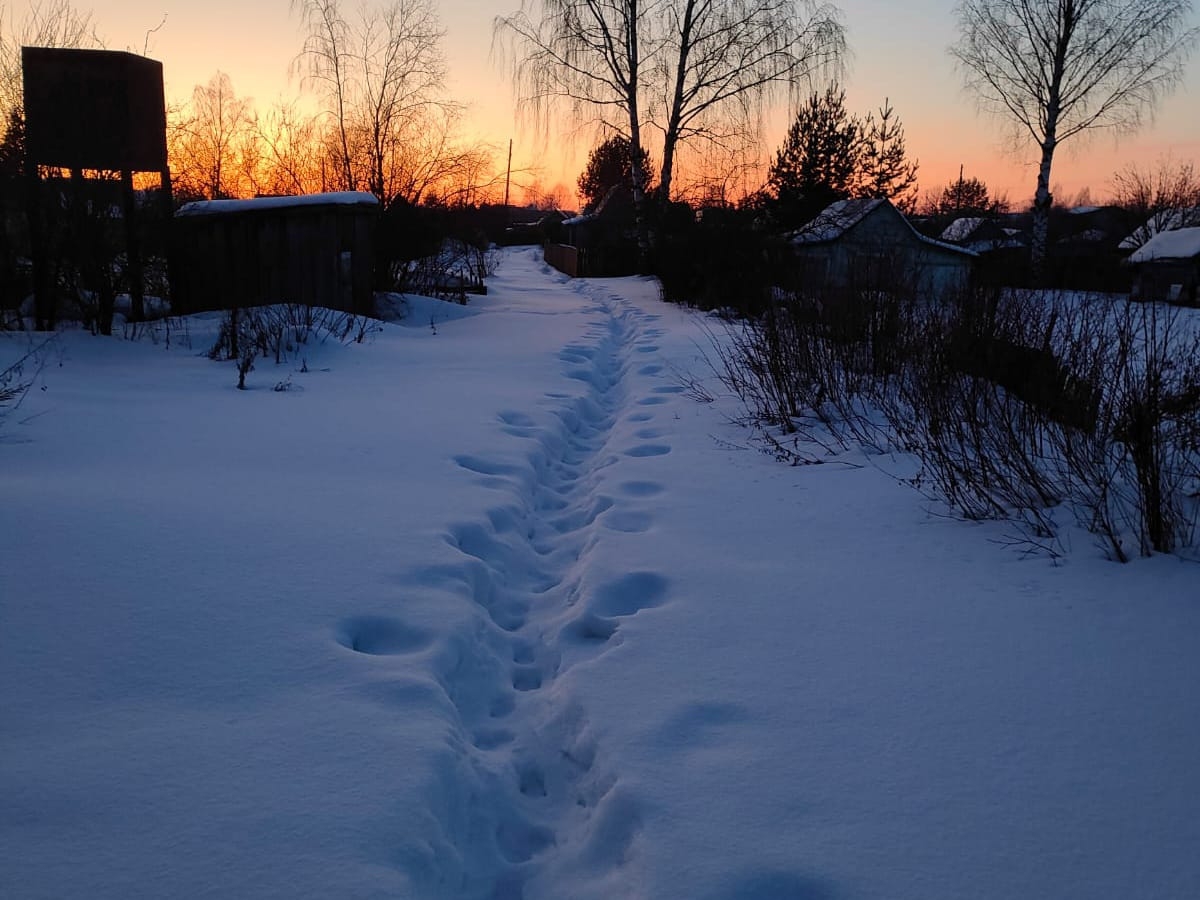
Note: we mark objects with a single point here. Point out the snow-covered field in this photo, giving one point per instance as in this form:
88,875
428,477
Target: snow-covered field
492,608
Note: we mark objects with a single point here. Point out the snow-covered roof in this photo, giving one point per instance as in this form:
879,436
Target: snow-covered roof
960,229
1166,220
835,220
1182,243
339,198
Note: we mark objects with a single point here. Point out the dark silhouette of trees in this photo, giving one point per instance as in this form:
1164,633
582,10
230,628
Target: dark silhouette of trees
689,68
830,154
12,146
1057,68
819,160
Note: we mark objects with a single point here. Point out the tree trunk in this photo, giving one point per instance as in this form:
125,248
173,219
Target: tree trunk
638,172
671,138
637,164
1042,201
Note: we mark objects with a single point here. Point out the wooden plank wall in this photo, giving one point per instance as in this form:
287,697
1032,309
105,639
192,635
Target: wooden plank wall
311,255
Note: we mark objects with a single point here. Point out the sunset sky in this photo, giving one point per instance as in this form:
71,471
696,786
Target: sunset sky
898,51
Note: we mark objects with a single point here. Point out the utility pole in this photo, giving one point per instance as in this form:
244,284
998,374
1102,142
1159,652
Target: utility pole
507,176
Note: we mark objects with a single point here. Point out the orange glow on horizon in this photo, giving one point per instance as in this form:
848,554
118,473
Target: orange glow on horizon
898,55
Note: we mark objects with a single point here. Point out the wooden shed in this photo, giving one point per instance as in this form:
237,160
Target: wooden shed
315,250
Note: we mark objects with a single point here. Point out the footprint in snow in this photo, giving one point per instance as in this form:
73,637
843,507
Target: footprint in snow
628,521
645,450
380,636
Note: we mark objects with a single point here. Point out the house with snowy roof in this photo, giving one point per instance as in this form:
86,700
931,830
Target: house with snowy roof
1159,221
869,243
1167,267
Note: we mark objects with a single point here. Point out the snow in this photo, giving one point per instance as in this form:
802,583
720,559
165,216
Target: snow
1182,243
961,228
336,198
492,607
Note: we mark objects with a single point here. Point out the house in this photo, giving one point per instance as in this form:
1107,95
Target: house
1167,267
1162,220
869,243
1003,251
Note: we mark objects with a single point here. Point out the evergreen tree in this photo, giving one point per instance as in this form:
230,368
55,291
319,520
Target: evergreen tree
885,170
966,197
608,165
819,161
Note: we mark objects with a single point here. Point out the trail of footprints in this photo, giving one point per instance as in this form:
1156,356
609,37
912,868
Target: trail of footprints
541,788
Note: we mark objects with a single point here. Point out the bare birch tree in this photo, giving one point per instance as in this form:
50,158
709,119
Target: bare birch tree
589,56
402,73
721,60
209,141
325,61
1058,68
382,74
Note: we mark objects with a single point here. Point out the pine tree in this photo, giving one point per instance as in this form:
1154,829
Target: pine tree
965,197
886,171
608,165
819,160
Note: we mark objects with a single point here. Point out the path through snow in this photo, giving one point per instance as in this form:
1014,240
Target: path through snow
484,612
532,785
